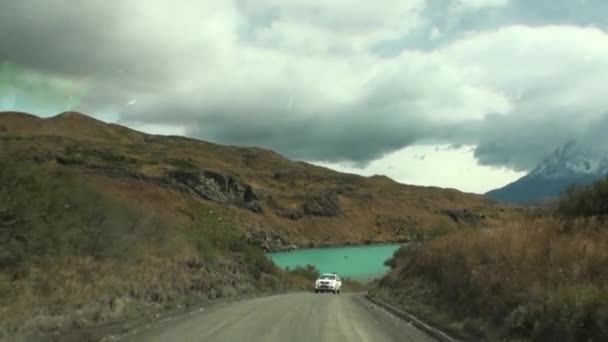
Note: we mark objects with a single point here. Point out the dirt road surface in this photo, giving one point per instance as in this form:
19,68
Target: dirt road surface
297,317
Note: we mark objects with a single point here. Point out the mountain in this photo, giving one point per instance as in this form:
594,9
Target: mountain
570,164
100,223
294,203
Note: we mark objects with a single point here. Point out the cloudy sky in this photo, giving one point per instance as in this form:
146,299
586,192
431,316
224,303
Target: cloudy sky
456,93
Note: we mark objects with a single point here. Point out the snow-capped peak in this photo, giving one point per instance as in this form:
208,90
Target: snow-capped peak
570,160
571,164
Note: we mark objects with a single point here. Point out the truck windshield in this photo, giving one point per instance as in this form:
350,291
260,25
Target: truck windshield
328,277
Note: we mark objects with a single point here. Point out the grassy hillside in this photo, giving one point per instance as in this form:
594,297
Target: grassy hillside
72,256
275,199
539,279
99,223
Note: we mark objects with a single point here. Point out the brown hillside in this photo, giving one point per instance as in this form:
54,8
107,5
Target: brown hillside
277,202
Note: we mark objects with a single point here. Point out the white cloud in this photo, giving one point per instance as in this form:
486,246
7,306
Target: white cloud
471,5
343,26
542,69
426,165
160,129
435,34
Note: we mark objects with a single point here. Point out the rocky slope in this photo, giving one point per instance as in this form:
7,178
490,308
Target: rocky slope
570,164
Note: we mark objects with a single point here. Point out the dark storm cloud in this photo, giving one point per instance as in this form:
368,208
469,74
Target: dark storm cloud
521,144
78,39
344,133
321,139
63,37
252,73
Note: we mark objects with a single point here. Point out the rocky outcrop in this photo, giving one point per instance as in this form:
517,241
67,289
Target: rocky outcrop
210,185
269,242
323,204
464,216
217,187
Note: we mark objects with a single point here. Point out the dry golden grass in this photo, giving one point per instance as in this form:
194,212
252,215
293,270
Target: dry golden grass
541,279
85,290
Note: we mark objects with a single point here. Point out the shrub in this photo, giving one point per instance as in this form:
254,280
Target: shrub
401,255
215,238
309,272
54,213
586,201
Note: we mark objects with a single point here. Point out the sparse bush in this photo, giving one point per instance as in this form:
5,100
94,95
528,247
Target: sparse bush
400,255
64,243
310,272
589,201
257,262
214,237
53,213
573,313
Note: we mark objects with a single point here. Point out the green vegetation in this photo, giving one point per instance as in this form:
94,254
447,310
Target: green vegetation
55,213
590,201
400,254
310,272
181,163
51,213
69,251
215,238
539,279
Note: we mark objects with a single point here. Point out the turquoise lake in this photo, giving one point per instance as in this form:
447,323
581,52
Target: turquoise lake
360,263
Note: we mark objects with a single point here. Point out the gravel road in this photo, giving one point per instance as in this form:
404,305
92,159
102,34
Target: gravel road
296,317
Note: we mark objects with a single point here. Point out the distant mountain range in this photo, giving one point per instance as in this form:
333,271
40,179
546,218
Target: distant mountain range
570,164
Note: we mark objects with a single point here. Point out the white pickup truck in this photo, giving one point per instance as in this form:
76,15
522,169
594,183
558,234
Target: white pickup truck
329,282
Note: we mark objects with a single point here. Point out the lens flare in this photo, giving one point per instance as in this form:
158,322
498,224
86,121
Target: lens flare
22,89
